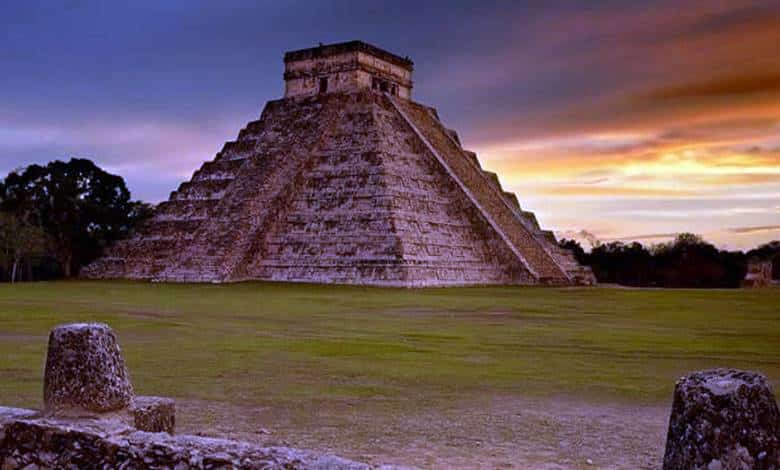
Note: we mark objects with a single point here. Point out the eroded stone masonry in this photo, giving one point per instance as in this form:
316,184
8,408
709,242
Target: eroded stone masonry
344,180
93,419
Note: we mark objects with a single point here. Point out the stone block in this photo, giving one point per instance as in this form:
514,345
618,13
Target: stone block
154,414
723,418
85,371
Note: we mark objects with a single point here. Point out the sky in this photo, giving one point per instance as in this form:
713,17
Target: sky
612,120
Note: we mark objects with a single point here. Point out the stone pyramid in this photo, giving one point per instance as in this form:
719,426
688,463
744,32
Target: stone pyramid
344,180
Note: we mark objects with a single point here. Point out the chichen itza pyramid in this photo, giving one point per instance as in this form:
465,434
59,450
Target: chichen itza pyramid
344,180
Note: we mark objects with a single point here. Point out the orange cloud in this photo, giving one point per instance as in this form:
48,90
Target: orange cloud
614,191
637,105
721,87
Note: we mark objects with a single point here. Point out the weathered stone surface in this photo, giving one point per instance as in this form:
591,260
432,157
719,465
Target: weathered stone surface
98,434
54,443
351,186
534,249
723,418
154,414
346,67
759,274
85,371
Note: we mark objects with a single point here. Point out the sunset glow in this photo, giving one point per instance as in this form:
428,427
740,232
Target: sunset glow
610,121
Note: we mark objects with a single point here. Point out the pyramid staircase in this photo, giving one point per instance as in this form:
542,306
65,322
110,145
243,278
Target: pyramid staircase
537,249
280,144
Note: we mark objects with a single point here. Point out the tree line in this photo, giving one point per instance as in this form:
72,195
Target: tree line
687,261
58,217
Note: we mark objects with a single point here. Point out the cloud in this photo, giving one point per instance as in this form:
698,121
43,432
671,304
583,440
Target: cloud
650,236
742,179
153,155
732,86
582,236
695,212
586,109
566,190
759,229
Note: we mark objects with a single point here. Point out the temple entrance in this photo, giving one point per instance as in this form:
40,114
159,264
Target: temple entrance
323,84
384,86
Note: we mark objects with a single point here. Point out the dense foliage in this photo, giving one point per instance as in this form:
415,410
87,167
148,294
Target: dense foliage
688,261
74,209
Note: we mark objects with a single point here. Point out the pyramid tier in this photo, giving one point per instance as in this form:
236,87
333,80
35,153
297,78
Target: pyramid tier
354,188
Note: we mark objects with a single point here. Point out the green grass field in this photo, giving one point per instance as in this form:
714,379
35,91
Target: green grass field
264,343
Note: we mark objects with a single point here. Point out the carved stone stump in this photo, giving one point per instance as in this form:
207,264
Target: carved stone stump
723,419
85,371
154,414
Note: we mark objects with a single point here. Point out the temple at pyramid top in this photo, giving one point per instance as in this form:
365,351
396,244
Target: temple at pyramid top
344,67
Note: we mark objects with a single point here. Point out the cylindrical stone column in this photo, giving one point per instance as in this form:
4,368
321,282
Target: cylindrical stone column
85,371
723,418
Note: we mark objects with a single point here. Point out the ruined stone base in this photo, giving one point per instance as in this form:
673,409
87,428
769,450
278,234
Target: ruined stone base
53,443
154,414
85,371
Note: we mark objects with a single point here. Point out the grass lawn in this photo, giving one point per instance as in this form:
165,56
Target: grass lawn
274,344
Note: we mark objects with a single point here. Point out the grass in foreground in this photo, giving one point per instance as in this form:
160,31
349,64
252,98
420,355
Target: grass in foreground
264,343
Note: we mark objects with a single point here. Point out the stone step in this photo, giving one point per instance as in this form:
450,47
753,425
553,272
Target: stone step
472,157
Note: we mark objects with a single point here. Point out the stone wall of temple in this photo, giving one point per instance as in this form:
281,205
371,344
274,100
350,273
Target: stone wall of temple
346,68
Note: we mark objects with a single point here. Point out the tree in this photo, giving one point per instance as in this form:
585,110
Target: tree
80,207
575,248
19,240
627,264
687,261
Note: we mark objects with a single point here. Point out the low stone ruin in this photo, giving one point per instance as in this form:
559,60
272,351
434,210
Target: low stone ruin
27,442
86,376
93,419
759,274
723,419
85,371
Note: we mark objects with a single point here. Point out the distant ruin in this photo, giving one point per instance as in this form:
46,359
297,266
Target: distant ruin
344,180
759,274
